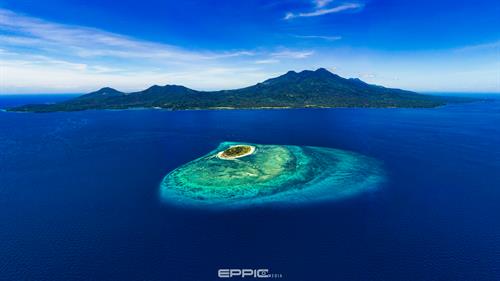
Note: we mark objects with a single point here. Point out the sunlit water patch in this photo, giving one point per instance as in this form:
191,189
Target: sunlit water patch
241,174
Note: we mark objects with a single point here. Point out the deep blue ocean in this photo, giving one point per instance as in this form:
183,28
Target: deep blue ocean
79,196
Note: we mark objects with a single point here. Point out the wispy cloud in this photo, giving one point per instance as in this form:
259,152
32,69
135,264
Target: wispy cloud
321,37
322,3
42,56
367,75
267,61
321,9
292,54
81,41
481,47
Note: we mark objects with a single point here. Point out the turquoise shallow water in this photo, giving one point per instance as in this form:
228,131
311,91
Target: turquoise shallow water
273,174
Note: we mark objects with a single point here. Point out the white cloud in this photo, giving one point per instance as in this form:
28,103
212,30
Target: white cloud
81,41
367,75
38,56
292,54
322,3
41,56
266,61
480,47
327,38
61,77
321,10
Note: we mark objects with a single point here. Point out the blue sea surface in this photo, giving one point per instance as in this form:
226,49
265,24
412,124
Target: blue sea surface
79,196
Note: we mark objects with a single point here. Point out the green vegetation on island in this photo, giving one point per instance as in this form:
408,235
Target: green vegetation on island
305,89
236,151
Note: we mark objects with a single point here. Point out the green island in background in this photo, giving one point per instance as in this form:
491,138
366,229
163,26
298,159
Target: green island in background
305,89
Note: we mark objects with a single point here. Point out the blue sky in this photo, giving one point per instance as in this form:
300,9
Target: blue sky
66,46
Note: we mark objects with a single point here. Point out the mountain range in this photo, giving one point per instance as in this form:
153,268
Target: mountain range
305,89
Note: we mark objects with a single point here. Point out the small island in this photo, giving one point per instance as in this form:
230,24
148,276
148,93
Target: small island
236,151
276,174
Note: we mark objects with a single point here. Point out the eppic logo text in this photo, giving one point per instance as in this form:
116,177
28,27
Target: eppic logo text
246,273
